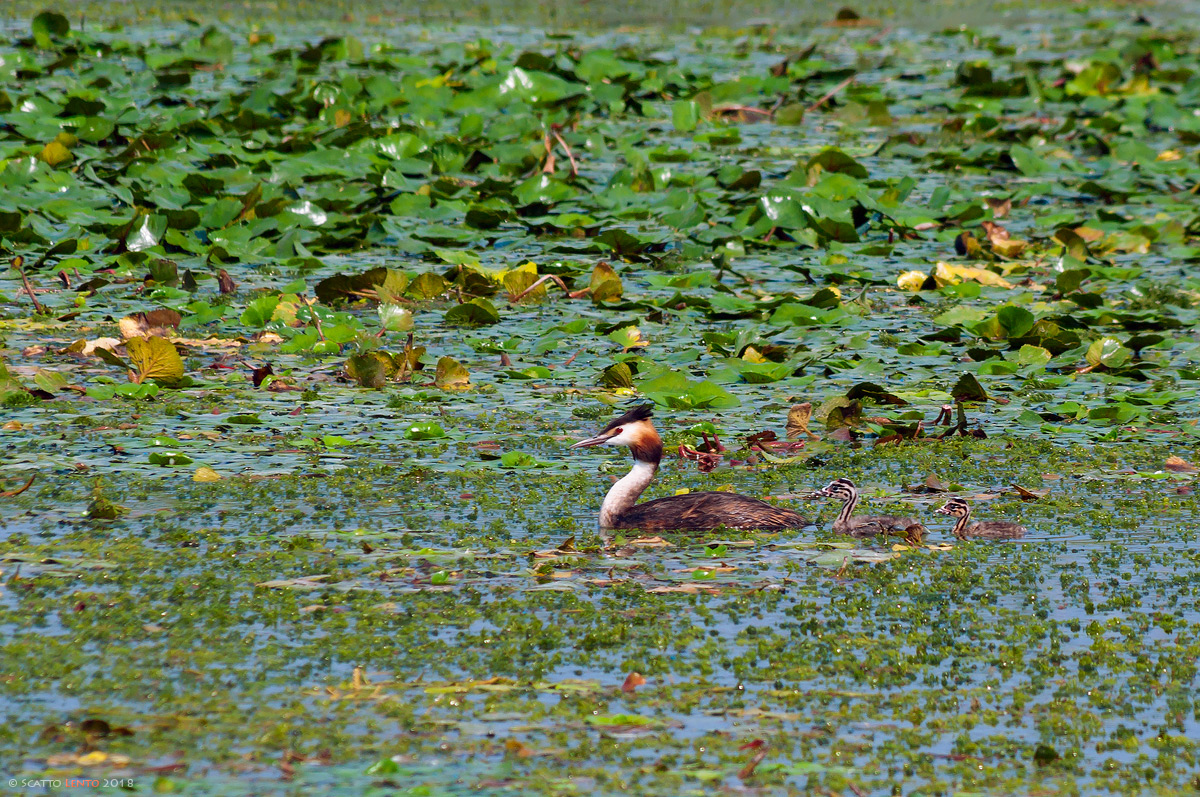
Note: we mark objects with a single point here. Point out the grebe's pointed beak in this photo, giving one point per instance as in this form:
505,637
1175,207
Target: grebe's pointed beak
598,440
942,511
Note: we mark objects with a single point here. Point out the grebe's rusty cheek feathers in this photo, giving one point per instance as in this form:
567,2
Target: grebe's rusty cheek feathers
644,443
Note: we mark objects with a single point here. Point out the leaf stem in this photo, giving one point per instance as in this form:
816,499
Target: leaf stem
829,94
312,314
18,263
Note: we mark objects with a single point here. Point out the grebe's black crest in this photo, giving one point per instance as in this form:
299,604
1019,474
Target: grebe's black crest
643,413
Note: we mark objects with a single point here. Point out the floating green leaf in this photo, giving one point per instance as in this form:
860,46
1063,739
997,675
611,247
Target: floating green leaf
426,430
1108,352
685,114
48,26
474,313
967,388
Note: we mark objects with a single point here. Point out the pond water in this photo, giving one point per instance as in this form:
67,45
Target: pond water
224,581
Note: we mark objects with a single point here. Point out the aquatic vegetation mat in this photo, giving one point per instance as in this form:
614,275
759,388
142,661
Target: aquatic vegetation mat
296,327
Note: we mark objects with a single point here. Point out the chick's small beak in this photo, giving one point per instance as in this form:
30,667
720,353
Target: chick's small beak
942,511
593,441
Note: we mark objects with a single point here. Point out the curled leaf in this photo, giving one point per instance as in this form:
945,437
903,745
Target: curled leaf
369,368
1180,465
475,313
605,284
154,358
967,388
797,421
161,322
206,474
950,274
632,682
451,375
1030,495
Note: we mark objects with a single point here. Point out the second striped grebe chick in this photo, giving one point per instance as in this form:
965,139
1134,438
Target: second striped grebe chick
688,512
847,522
987,529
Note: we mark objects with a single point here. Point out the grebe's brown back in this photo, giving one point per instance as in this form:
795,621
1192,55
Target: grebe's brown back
688,512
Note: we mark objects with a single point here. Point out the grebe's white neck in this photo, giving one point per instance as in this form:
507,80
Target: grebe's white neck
625,493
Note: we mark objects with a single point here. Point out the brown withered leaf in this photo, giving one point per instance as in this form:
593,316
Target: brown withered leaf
160,323
1000,207
966,245
518,749
651,542
797,421
1180,465
225,282
633,681
994,231
687,589
1002,244
566,547
1030,495
259,374
95,727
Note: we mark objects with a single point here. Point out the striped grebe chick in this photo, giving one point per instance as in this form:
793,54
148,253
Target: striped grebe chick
862,525
987,529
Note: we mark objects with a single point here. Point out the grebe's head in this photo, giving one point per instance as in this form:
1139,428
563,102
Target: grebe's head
839,488
633,430
956,507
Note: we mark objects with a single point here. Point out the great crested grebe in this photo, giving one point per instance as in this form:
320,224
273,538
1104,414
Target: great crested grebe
988,529
862,525
688,512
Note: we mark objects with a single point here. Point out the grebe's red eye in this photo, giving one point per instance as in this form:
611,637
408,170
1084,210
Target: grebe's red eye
618,430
